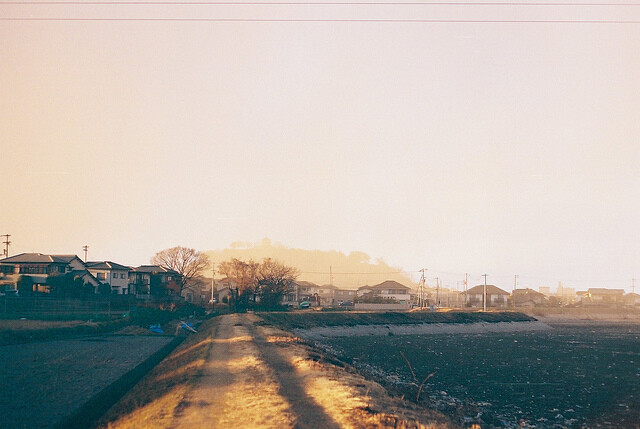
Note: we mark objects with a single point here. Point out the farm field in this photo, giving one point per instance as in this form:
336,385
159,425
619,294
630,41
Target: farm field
571,376
43,382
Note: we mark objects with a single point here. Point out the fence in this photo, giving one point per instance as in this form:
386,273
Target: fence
33,306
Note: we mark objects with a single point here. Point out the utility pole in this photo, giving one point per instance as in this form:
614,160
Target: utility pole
437,292
6,243
330,275
86,249
515,286
421,290
484,293
466,284
213,274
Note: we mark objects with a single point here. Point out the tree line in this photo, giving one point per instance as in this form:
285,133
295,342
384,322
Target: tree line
260,284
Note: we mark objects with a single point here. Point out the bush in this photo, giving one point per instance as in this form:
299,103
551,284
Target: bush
145,316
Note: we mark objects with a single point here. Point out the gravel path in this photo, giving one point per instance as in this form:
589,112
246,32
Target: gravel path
43,382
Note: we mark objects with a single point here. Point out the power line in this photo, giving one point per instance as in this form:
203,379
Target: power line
330,3
356,20
371,273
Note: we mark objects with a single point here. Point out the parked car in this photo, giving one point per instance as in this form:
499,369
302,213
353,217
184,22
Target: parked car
304,304
11,293
346,304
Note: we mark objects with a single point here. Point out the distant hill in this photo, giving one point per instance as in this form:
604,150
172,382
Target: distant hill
349,271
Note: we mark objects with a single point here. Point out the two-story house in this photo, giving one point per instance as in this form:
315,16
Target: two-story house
115,275
39,267
496,297
388,289
148,280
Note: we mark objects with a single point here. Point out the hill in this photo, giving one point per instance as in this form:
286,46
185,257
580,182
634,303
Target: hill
349,270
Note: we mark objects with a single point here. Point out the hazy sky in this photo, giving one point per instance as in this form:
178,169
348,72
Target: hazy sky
498,148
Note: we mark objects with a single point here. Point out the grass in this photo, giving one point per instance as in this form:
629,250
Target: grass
306,320
21,325
153,401
24,331
49,327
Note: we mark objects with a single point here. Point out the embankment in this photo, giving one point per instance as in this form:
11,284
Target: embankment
319,325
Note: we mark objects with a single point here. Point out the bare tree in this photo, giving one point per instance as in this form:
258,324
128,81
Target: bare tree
245,276
274,280
189,263
244,273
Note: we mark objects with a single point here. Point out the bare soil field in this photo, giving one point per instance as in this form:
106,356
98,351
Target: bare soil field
43,382
573,376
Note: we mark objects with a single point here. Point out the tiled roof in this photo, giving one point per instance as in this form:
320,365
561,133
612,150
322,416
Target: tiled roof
389,284
528,292
106,265
154,269
38,258
491,290
65,258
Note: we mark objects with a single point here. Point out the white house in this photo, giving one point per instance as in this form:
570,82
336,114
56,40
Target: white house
115,275
388,289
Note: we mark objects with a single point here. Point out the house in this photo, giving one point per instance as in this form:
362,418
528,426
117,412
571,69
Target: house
388,289
154,280
344,295
545,290
320,295
224,294
603,296
115,275
528,298
198,291
496,297
39,267
632,299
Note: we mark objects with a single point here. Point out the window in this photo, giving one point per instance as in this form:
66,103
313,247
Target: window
101,276
123,276
115,275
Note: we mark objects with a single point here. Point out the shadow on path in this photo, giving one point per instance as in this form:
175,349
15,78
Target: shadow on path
307,411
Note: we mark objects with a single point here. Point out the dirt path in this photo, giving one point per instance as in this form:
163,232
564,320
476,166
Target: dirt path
257,376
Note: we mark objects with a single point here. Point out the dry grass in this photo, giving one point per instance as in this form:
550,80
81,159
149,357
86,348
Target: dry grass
153,401
348,398
38,324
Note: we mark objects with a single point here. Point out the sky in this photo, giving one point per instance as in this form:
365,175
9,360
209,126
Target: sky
476,144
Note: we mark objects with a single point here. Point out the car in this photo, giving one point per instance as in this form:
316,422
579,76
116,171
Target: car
11,293
304,304
346,304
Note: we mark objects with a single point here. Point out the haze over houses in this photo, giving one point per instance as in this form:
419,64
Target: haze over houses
34,273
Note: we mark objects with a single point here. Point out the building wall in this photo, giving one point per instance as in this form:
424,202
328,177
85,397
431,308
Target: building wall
119,283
